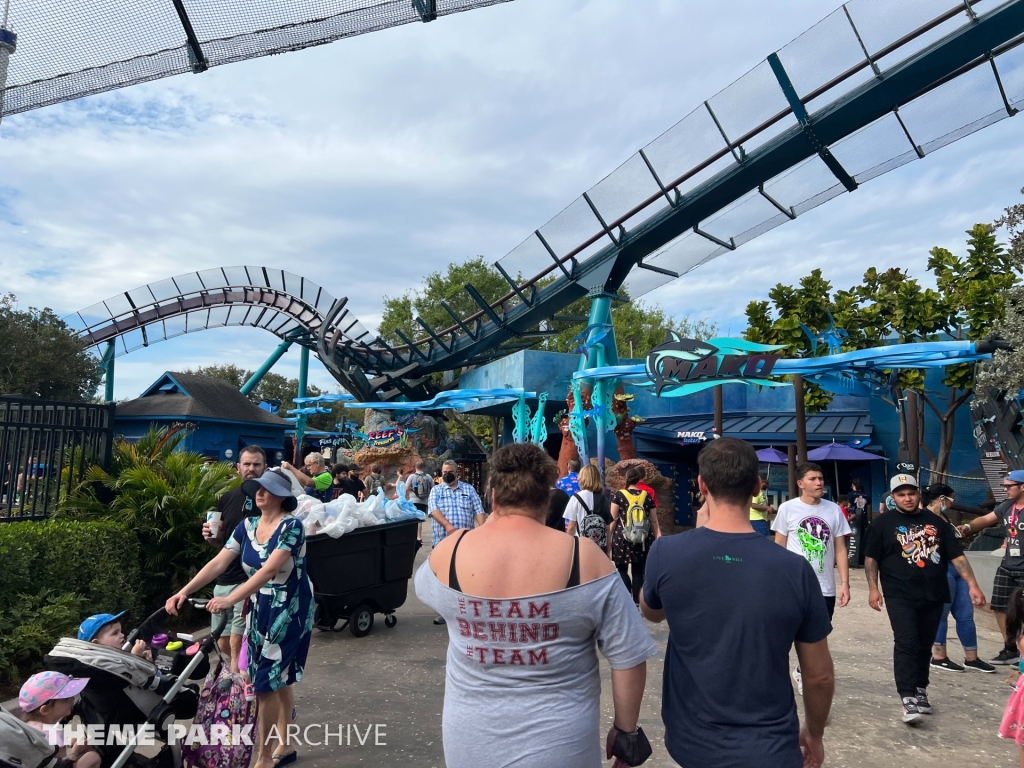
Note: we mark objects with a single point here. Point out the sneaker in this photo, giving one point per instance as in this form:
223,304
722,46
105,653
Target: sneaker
979,666
922,702
798,679
911,714
947,664
439,621
1006,657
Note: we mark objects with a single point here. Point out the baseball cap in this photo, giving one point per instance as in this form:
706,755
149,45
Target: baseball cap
93,624
901,480
44,686
1017,476
273,482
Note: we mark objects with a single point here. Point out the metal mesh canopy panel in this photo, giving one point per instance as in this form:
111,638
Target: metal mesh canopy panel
72,48
874,85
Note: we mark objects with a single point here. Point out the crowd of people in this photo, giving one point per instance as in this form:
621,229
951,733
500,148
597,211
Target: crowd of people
720,587
528,608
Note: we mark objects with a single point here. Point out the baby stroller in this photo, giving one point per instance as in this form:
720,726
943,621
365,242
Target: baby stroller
22,746
126,690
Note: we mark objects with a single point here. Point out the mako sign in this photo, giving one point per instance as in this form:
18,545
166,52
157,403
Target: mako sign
684,361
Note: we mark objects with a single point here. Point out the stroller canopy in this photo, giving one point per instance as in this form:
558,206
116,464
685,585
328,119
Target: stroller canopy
23,745
133,670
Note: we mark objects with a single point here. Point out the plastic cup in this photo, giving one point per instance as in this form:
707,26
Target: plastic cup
213,518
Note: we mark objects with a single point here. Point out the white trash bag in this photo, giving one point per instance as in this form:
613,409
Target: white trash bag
341,516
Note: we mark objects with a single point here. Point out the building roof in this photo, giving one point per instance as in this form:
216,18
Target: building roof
762,427
185,395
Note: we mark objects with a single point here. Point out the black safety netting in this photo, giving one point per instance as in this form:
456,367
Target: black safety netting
67,49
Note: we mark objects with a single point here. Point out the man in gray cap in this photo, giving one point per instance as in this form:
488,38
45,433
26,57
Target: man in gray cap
910,548
1010,573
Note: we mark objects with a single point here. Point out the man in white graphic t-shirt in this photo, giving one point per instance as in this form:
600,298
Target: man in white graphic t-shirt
816,529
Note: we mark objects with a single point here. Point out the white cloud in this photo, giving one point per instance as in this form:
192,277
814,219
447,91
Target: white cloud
369,162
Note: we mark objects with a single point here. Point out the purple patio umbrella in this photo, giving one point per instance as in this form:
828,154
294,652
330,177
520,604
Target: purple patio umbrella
771,456
836,452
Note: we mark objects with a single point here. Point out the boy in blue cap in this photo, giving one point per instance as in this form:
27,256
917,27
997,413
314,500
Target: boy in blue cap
1010,573
105,629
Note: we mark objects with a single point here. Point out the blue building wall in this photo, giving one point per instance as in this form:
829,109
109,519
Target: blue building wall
552,372
211,437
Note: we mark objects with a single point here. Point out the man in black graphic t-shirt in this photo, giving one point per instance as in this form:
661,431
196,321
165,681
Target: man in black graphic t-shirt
911,547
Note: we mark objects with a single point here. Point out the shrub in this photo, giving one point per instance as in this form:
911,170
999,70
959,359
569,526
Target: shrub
54,574
162,494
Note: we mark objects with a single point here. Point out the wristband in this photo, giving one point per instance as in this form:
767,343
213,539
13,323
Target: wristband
631,748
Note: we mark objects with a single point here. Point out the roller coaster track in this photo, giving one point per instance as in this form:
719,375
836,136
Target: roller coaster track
870,88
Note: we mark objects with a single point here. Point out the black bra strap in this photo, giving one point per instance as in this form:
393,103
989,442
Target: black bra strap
453,577
574,572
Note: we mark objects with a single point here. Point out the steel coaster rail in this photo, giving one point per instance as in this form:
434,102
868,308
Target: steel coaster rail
940,52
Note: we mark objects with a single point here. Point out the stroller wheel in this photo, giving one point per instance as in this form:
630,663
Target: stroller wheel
361,621
390,620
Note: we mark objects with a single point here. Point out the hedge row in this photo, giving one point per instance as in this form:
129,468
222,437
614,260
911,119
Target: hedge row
52,575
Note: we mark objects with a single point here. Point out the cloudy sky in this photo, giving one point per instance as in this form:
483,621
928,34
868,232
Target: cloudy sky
366,163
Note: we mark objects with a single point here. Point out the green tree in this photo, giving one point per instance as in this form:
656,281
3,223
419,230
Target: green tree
639,326
891,307
975,289
162,494
400,312
778,320
42,357
1006,373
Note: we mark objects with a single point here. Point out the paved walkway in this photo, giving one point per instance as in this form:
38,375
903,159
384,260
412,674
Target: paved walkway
395,677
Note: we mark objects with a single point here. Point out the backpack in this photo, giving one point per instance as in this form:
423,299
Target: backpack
594,525
421,486
636,525
222,702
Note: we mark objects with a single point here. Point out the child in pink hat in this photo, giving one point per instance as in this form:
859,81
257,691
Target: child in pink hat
46,698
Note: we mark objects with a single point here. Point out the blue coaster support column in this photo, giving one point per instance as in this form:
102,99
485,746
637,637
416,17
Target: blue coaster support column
264,369
599,350
107,361
300,420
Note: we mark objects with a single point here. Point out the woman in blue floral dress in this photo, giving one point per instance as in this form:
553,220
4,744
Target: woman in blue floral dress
273,552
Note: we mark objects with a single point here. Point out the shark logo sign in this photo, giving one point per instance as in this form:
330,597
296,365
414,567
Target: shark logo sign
684,366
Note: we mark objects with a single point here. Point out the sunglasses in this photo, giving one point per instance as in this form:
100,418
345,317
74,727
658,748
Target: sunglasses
1011,485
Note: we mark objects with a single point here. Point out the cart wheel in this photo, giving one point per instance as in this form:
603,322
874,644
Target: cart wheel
361,621
323,619
390,620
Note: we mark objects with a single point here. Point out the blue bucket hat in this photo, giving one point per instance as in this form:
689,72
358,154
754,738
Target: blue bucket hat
272,482
94,624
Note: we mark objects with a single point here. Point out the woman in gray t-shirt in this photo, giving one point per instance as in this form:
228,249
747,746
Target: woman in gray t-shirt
527,608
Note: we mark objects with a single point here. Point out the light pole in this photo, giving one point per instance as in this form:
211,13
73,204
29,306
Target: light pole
8,44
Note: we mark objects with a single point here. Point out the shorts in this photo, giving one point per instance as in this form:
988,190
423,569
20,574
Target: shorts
236,624
830,603
1002,587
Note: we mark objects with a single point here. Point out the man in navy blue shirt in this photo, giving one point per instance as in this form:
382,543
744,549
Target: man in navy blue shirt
735,605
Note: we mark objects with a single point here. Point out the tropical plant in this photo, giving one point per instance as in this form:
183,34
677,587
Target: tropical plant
162,494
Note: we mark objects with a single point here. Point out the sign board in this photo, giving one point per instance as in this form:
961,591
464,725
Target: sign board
681,366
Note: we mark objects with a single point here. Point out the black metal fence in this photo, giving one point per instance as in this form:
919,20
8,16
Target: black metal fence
45,449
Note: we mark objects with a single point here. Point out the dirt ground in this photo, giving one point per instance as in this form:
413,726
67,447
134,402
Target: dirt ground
395,678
